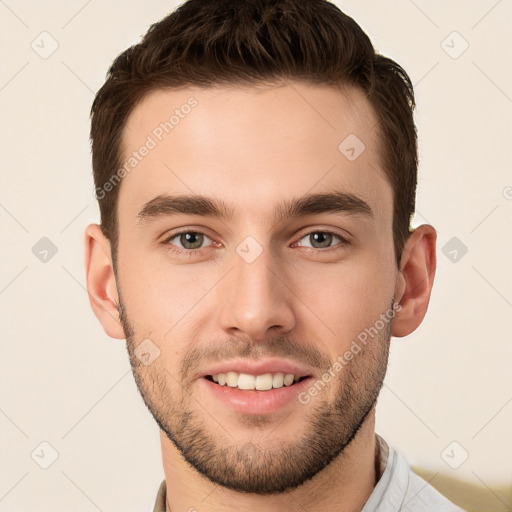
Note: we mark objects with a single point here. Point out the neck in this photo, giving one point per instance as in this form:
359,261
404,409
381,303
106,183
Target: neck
347,482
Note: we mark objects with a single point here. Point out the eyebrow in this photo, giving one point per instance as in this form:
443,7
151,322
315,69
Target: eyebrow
311,204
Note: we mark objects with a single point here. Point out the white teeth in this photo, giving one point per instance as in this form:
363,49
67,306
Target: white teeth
232,379
259,382
278,380
246,381
288,379
263,382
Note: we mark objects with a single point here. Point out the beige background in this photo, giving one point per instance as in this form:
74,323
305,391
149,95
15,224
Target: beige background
63,381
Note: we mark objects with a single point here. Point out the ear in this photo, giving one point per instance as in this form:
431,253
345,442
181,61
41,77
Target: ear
101,281
416,277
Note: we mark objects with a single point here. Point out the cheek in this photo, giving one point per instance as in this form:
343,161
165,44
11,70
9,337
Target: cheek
346,299
157,295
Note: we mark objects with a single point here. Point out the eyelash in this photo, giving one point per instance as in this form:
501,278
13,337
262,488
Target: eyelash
192,252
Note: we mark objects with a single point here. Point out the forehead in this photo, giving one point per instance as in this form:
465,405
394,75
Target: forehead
252,147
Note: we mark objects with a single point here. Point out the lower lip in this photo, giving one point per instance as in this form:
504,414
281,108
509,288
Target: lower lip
254,401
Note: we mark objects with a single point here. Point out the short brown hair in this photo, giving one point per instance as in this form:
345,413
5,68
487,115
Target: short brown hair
216,42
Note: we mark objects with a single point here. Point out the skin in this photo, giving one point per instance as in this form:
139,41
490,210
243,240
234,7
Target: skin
300,301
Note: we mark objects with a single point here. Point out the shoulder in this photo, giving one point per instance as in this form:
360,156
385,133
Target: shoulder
160,497
422,496
400,489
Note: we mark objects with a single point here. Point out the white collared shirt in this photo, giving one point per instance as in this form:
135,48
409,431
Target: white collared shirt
399,489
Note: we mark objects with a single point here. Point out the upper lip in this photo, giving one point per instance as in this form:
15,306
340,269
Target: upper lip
258,367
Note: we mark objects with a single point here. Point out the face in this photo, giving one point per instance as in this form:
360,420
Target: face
292,268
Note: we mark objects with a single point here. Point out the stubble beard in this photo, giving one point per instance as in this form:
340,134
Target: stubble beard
203,437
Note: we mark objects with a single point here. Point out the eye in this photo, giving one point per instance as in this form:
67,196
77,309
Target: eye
190,241
323,239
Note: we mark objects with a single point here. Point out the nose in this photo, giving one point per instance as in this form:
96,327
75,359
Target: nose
256,298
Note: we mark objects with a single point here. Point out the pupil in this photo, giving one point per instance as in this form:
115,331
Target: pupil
325,238
185,239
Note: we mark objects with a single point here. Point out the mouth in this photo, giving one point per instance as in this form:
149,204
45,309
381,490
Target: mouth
255,394
248,382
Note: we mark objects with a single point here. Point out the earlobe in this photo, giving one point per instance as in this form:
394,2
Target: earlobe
415,280
101,283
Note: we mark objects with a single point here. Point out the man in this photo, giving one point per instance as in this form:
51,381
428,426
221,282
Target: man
255,164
